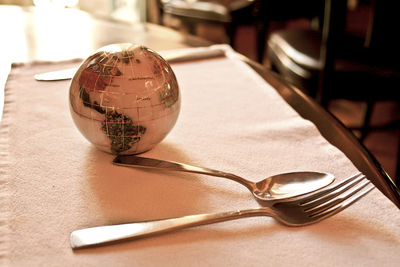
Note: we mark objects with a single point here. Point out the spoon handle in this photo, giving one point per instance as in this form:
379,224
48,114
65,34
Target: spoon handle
131,160
112,233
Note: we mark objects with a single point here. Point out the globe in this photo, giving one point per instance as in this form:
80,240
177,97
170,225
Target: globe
124,98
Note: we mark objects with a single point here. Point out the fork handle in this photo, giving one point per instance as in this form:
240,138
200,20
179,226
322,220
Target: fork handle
112,233
135,161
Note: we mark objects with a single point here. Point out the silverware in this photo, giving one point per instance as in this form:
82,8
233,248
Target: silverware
171,57
299,211
59,75
279,186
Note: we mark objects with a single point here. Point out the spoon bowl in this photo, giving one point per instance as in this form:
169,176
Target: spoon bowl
277,187
292,184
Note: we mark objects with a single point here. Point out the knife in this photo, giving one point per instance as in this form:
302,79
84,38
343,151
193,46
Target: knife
169,56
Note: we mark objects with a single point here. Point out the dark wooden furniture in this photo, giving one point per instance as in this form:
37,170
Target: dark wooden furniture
283,11
229,14
332,64
233,13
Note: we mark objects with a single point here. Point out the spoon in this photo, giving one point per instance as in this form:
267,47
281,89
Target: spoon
277,187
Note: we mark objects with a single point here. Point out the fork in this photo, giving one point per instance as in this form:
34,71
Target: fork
297,211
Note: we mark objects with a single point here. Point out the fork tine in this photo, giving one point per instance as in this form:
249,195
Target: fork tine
323,192
344,203
318,200
337,199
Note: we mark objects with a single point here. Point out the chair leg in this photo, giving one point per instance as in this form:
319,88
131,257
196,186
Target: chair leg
397,178
231,29
262,30
365,127
191,27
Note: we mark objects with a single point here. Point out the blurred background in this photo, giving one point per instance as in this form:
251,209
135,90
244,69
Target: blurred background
124,10
300,40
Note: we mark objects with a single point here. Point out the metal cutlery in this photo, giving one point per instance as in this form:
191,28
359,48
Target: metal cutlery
170,57
299,211
280,186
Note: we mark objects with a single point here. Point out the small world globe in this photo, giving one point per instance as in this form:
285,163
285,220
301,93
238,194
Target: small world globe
124,98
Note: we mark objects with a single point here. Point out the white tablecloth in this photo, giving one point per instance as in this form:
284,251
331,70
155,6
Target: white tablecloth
53,181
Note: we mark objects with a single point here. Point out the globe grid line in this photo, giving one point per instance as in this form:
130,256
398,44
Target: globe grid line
129,60
106,117
118,143
130,63
88,104
135,137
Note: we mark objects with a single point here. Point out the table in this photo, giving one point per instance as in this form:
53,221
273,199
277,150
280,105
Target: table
96,193
35,34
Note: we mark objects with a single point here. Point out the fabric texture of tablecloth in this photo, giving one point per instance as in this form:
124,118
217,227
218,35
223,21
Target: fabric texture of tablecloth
53,181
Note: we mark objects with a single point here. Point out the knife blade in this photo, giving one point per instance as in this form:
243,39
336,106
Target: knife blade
58,75
169,56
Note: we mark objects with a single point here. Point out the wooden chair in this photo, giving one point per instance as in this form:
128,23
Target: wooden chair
233,13
283,11
229,14
331,64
